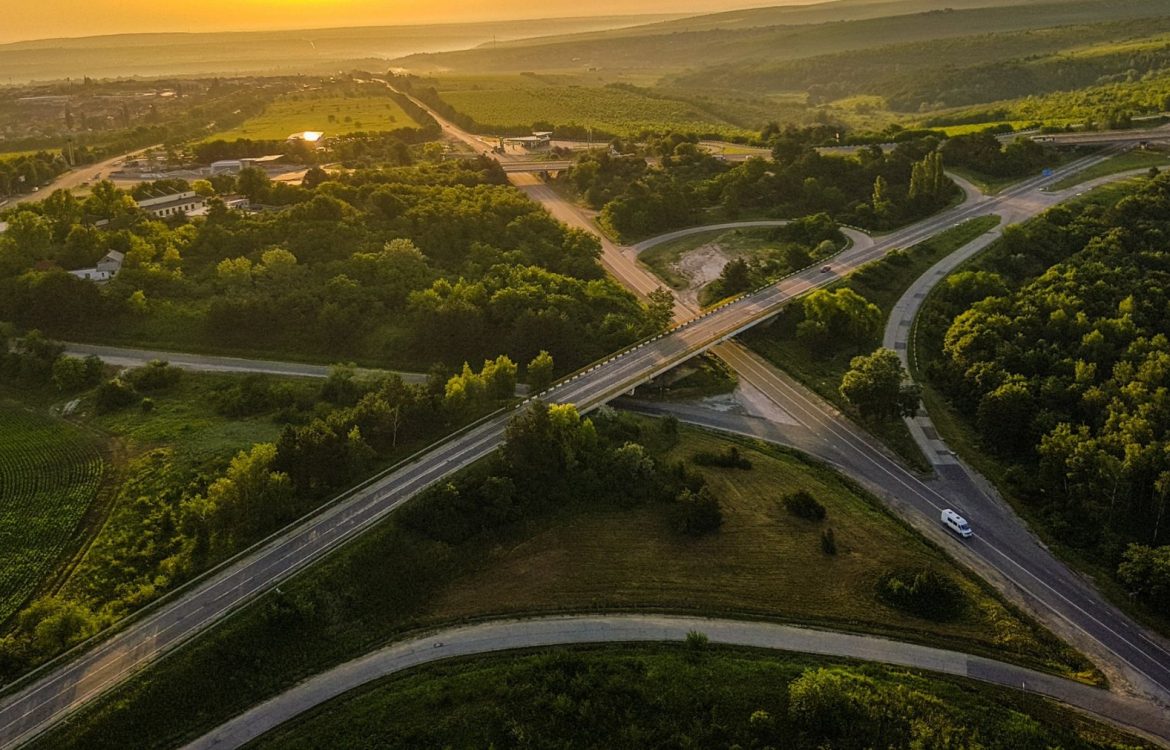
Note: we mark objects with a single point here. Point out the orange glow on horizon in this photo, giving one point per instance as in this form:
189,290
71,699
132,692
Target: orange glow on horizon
69,18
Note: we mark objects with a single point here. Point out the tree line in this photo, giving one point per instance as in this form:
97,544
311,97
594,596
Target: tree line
871,188
1055,347
404,266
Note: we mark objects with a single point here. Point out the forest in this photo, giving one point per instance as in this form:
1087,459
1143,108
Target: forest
398,267
873,189
1055,346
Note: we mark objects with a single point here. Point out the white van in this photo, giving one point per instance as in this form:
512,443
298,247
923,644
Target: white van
956,523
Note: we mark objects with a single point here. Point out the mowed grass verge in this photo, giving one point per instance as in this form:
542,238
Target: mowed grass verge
578,558
332,115
50,473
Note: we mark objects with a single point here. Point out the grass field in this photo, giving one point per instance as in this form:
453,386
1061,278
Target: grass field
332,114
882,283
655,693
50,472
1137,159
579,557
510,102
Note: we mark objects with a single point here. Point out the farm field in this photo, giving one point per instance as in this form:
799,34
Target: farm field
764,562
331,114
50,472
509,103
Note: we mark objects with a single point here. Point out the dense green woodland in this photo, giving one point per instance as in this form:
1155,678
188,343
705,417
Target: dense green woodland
872,189
400,267
1056,346
688,696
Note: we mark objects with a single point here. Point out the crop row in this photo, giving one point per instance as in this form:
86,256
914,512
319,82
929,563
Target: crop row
50,472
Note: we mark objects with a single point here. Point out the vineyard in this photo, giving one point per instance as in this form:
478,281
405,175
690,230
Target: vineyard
49,475
498,104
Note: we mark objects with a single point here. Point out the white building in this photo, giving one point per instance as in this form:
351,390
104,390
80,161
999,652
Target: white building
106,269
171,205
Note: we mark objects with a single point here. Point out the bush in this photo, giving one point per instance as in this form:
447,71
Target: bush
697,513
828,542
114,394
154,376
803,505
925,593
730,458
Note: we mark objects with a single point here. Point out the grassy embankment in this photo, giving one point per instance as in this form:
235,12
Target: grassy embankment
1126,162
882,283
579,557
663,695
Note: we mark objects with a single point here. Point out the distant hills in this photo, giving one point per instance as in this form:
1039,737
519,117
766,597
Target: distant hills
300,51
771,34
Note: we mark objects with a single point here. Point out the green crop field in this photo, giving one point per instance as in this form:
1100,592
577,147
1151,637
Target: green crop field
333,115
49,474
507,102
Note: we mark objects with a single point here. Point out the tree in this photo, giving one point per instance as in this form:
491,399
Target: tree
697,513
735,277
499,377
876,385
659,310
1145,571
72,374
841,316
1004,417
254,183
883,205
540,372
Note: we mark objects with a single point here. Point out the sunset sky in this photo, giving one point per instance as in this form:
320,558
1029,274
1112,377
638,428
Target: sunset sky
38,19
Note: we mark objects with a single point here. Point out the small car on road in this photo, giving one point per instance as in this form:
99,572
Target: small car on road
957,523
826,269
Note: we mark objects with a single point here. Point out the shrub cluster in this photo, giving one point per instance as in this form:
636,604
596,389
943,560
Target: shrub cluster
925,593
803,505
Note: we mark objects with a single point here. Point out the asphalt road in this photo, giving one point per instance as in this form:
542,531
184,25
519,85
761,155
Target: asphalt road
1009,554
94,667
506,635
120,356
1004,550
75,177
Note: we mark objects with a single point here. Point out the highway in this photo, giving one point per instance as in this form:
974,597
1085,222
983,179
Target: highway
1004,552
1010,558
506,635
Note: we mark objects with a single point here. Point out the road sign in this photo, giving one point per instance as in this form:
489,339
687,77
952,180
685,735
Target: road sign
1047,173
